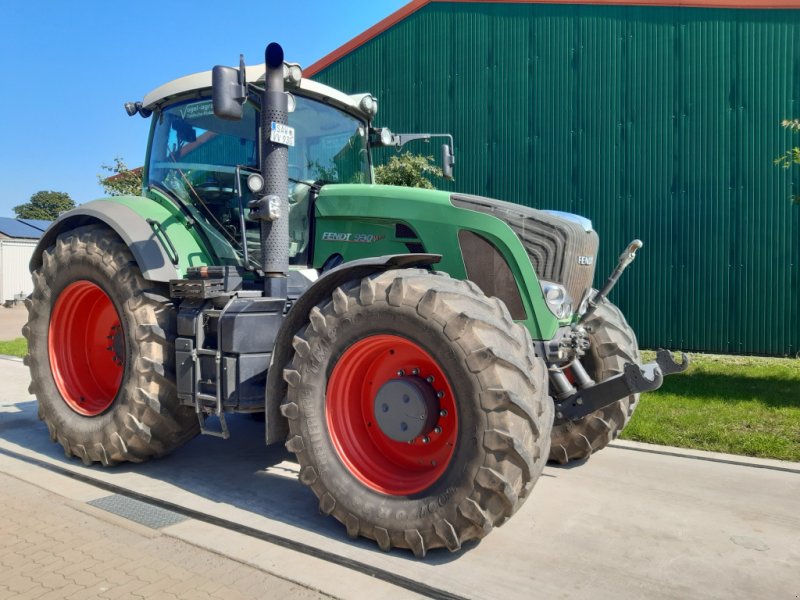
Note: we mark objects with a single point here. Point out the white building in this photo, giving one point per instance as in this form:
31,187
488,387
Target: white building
18,238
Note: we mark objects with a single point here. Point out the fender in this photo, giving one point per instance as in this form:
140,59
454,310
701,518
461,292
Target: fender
322,288
147,248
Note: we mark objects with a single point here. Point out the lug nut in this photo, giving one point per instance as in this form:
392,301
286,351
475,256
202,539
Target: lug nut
440,394
443,413
437,429
400,373
415,371
429,379
425,440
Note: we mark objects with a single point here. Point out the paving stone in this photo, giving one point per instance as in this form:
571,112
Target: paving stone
53,551
33,594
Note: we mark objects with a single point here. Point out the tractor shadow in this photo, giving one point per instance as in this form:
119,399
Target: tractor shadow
241,472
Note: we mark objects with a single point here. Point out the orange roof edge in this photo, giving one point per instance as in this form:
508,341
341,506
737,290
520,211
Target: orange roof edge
362,39
415,5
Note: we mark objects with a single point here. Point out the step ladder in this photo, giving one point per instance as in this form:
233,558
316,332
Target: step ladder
206,404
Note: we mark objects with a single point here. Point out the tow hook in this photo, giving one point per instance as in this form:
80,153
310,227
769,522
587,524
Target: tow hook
633,380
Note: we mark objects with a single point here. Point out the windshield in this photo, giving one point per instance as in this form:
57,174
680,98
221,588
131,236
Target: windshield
194,156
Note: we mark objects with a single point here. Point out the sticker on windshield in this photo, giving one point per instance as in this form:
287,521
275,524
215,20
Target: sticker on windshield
199,109
281,134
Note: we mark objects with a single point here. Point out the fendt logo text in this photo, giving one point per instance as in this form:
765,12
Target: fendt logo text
357,238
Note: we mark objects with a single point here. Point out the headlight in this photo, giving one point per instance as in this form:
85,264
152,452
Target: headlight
557,298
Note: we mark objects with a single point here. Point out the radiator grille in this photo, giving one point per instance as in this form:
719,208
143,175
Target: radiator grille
555,245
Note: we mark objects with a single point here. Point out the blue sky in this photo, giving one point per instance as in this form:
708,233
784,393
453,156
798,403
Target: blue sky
67,68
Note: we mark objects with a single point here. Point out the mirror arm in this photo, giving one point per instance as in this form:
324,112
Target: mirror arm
401,139
448,159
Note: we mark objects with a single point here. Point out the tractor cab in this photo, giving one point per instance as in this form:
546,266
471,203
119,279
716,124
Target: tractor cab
203,161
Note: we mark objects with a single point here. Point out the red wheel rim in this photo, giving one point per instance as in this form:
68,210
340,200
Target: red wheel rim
378,461
86,347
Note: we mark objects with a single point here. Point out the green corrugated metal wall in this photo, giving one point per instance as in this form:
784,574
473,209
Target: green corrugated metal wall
655,122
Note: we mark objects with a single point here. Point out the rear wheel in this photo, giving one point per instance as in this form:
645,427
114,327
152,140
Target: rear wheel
100,342
613,344
417,410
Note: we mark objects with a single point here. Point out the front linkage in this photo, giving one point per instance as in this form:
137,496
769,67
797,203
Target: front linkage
581,397
590,396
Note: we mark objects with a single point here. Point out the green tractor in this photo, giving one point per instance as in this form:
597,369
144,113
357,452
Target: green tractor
423,353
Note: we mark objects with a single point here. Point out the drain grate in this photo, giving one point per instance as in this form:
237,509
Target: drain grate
138,511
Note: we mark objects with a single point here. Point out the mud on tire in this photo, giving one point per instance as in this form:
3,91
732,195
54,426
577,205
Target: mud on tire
144,419
613,343
499,387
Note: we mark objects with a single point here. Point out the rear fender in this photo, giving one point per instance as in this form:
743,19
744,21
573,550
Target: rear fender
157,256
297,318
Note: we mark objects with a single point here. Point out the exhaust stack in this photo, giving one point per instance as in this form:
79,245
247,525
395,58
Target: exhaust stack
272,207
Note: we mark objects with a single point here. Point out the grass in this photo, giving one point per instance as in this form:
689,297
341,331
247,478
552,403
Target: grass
735,404
16,347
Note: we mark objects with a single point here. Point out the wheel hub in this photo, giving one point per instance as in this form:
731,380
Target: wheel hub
406,408
117,347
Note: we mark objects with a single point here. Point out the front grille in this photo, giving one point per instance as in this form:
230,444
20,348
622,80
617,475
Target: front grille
556,246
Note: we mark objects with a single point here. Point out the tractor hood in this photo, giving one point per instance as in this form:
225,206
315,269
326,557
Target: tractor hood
562,246
386,192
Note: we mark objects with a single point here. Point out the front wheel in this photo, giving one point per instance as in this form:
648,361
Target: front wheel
417,410
613,344
100,352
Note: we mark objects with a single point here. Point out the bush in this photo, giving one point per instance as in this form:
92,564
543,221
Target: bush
408,170
790,157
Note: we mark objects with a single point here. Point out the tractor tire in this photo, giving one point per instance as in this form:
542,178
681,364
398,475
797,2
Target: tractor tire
613,343
100,351
463,473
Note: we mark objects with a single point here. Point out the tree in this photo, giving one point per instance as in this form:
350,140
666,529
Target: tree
122,181
790,157
46,205
409,170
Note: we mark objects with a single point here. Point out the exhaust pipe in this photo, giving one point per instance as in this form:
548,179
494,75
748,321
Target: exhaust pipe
273,206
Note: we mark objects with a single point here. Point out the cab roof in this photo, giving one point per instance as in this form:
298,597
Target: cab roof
255,74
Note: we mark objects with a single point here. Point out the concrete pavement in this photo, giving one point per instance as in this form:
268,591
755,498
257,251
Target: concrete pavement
633,522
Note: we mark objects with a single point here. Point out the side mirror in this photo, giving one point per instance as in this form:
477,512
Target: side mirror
228,91
448,160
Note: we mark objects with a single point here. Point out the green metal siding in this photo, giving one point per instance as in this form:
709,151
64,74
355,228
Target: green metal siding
655,122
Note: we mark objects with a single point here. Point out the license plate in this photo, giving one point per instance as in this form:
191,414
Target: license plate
281,134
